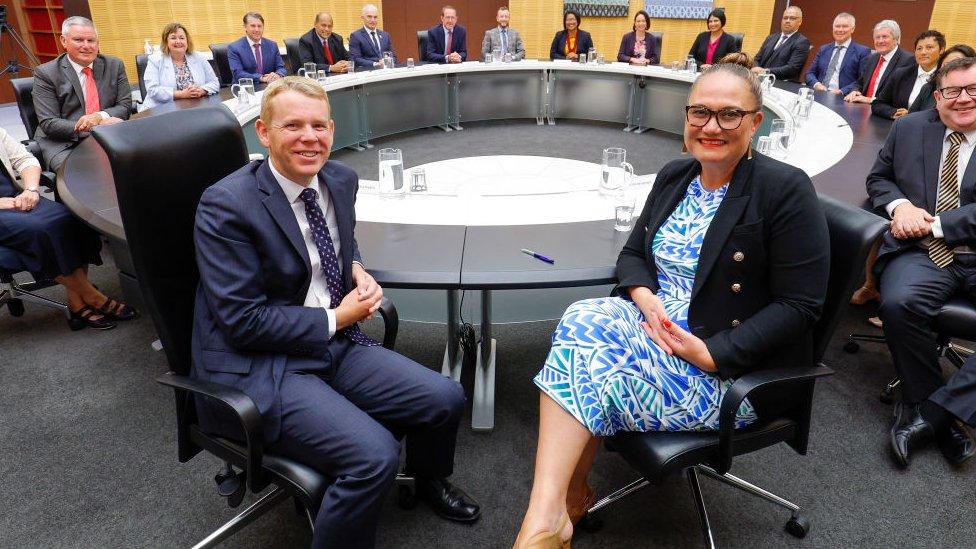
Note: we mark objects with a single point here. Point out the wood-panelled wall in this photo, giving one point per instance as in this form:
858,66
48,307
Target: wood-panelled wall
956,19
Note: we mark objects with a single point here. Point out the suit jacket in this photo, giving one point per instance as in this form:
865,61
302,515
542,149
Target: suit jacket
363,52
60,102
925,99
493,39
583,44
901,58
908,167
310,50
769,236
699,49
849,69
895,95
626,50
160,77
249,319
785,62
436,37
242,62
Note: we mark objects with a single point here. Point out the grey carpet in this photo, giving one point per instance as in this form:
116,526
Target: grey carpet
88,453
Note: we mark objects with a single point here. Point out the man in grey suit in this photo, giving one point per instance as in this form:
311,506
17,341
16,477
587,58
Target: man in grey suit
76,91
925,180
503,37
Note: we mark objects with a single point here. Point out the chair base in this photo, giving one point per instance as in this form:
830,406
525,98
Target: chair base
798,526
15,293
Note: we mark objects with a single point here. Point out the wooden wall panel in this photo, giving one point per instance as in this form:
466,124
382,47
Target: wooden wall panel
956,19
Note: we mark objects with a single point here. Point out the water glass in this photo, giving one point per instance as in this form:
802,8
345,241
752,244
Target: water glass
592,55
623,211
351,67
762,145
507,58
691,65
781,134
243,91
320,76
410,63
496,55
616,173
388,60
676,66
600,60
418,180
391,173
307,70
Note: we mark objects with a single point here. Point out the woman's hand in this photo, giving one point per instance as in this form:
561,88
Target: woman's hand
26,201
652,308
6,203
684,344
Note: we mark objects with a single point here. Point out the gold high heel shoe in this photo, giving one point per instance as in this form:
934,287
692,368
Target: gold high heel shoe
548,539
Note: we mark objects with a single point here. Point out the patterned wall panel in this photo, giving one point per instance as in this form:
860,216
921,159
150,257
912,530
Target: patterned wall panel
956,19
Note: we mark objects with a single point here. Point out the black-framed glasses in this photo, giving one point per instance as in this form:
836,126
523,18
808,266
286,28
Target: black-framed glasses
953,92
728,119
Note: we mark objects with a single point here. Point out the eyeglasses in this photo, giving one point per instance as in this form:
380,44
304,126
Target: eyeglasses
953,92
728,119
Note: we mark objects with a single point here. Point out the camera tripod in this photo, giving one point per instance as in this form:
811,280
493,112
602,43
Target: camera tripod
13,66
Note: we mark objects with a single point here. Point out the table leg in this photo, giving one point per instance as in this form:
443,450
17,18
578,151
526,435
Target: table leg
456,107
483,401
452,358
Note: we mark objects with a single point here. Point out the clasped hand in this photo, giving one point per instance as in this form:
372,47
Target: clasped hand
910,221
23,202
362,301
668,335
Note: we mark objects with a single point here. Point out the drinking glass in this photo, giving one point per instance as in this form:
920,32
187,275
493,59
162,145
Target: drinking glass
308,70
320,76
410,63
616,172
243,91
781,134
388,60
623,211
676,66
591,55
496,55
391,173
507,58
418,180
762,145
351,67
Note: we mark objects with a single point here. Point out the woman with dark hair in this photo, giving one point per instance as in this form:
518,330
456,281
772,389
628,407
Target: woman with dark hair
570,42
639,47
715,43
905,85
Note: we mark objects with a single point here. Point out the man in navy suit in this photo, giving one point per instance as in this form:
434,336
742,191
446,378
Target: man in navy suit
880,65
837,66
784,53
366,45
254,56
447,42
282,290
323,47
925,180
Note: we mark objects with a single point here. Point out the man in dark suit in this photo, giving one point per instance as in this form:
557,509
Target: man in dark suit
837,65
887,58
253,56
784,53
324,47
925,180
76,91
282,290
447,42
366,45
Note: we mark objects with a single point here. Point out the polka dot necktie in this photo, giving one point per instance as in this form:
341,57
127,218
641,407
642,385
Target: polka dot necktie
330,263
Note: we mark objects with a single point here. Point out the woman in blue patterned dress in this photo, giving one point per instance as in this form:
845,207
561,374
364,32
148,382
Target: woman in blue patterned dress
724,273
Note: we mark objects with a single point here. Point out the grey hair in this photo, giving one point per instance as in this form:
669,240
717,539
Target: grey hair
77,21
737,70
847,16
797,8
891,25
369,7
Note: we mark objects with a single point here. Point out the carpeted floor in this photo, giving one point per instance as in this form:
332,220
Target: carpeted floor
88,456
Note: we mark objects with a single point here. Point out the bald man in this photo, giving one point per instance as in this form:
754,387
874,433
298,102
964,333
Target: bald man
366,45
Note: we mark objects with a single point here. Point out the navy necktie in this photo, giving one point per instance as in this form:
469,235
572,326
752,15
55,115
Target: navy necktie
330,263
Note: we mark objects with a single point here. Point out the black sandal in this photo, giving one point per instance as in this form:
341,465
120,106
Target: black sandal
83,318
116,310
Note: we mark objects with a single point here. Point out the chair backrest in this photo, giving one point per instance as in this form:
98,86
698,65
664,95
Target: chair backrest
142,61
294,57
161,165
422,45
852,233
737,37
23,91
219,52
659,36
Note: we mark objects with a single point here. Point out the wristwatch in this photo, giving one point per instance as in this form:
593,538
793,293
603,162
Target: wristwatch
35,191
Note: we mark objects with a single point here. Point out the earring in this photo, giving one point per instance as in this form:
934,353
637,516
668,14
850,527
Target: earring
749,157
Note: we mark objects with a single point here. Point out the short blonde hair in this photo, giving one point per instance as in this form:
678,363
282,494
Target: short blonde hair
170,29
299,84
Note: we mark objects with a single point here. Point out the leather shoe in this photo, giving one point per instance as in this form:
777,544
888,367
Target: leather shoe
447,500
913,434
955,444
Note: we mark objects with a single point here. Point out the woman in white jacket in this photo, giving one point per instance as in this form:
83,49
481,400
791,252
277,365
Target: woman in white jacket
177,72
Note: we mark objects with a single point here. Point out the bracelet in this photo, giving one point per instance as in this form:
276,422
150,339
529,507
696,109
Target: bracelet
35,191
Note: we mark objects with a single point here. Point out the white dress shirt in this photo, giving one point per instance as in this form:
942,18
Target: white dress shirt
783,37
318,289
920,79
82,79
834,79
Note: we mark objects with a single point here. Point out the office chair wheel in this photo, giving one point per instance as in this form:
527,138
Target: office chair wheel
590,523
852,346
406,497
16,307
798,527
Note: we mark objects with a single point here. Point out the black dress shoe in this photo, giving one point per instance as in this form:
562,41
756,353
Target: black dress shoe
955,444
447,500
910,436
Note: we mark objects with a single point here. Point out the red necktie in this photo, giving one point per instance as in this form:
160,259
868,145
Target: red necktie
450,42
91,92
328,54
874,77
257,58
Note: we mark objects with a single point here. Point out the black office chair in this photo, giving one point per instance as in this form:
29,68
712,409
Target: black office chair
294,55
422,45
14,293
737,37
161,166
658,455
23,91
142,61
224,73
659,36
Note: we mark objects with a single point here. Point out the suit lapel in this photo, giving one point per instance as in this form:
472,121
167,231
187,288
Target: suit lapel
280,210
932,140
98,71
725,219
968,182
72,76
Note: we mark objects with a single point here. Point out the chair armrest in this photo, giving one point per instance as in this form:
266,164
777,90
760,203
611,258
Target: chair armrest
49,180
32,147
242,406
748,384
391,322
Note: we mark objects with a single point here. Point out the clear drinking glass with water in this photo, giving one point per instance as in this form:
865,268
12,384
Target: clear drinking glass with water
388,60
418,180
781,134
762,145
308,70
391,173
623,211
496,55
616,173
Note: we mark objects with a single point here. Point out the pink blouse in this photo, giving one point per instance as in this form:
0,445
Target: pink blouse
709,57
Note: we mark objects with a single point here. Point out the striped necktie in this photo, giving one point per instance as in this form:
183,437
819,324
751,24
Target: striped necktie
948,198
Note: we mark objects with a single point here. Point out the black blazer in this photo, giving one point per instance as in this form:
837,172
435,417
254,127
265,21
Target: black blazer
310,50
769,237
785,62
895,95
901,58
726,45
583,44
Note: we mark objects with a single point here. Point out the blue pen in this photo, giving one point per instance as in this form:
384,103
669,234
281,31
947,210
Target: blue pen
538,256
